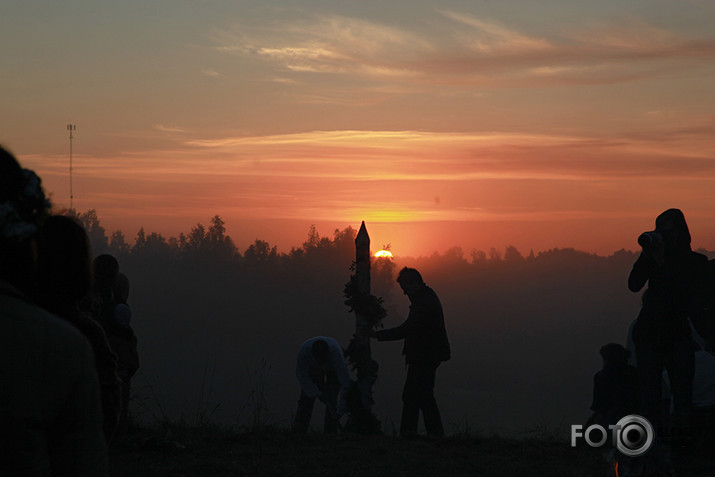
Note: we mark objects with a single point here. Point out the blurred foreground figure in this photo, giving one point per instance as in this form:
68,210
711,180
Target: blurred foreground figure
322,374
50,411
64,279
426,346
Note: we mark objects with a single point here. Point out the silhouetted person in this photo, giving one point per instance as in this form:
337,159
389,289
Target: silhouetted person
676,281
64,279
426,346
322,374
124,343
108,305
50,410
615,387
705,324
105,270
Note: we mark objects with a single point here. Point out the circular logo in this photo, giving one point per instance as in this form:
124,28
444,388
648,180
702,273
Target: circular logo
634,435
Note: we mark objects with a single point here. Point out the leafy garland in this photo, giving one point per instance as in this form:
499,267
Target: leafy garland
361,420
367,305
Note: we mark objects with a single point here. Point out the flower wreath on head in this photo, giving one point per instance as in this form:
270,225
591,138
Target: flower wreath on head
19,217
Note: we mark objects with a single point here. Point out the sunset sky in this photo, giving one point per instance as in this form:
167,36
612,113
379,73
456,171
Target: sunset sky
540,124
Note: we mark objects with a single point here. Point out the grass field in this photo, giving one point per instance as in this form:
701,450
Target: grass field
206,451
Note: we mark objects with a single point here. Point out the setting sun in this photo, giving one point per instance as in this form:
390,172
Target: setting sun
383,254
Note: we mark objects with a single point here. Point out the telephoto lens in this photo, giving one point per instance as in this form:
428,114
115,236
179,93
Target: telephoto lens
648,239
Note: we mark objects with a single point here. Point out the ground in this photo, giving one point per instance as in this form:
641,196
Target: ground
186,452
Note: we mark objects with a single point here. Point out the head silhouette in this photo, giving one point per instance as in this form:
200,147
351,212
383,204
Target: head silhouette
106,271
614,355
64,259
410,280
321,351
672,226
23,207
121,288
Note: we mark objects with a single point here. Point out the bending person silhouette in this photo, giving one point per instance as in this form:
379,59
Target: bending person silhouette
676,282
426,346
322,374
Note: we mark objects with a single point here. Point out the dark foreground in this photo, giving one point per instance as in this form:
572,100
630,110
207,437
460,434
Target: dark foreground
210,452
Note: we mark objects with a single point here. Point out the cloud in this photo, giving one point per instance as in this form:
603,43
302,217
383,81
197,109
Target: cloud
169,129
468,50
492,38
328,44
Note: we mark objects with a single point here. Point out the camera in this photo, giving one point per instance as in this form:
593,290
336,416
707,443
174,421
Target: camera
650,239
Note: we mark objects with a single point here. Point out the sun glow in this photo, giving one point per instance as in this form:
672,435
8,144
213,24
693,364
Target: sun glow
383,254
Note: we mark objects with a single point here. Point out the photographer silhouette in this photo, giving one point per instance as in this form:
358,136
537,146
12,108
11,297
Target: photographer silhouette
676,278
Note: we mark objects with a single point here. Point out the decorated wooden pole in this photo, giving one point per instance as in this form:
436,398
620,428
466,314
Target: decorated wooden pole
362,322
369,313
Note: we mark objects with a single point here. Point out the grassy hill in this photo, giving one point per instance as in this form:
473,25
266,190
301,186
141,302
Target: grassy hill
216,452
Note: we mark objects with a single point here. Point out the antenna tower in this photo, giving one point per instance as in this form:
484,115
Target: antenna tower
71,128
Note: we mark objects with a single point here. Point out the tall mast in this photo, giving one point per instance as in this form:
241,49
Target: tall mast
71,128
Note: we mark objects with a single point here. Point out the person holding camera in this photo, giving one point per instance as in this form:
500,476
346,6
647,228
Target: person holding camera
676,278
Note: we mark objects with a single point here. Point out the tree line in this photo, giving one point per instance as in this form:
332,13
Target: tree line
211,243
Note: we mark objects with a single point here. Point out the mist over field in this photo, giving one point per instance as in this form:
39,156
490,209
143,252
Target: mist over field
219,330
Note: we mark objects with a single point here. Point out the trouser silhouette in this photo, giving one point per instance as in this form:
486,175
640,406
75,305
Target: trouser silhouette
418,394
327,382
678,360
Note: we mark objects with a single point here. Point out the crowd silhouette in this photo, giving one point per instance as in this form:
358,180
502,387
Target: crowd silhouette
68,351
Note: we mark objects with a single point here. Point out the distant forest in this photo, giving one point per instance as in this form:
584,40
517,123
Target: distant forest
212,243
219,328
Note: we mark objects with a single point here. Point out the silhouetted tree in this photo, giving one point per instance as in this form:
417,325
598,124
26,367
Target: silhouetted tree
512,255
156,244
196,241
118,245
140,240
97,234
479,257
313,238
344,240
260,251
495,255
219,244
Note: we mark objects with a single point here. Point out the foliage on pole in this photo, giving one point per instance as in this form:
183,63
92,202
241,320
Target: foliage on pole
369,314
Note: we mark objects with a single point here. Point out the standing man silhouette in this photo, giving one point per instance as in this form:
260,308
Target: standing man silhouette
426,346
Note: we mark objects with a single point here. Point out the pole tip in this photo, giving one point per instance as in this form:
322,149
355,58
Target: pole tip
362,236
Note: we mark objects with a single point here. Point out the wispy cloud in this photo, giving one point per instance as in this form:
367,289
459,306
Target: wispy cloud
492,38
328,44
211,73
471,50
169,129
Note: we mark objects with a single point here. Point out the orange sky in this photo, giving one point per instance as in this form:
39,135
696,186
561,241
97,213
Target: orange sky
474,124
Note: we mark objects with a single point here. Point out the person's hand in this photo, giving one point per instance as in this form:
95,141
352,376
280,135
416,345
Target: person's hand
656,250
